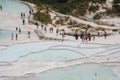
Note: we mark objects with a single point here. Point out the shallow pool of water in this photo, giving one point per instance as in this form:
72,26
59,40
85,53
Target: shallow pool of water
6,34
51,55
87,51
13,6
15,51
78,72
38,51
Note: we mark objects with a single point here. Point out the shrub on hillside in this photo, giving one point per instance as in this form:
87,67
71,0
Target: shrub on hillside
97,16
43,17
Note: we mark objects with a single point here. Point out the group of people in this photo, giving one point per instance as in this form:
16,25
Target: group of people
84,36
31,11
88,36
23,18
12,36
18,29
16,35
19,32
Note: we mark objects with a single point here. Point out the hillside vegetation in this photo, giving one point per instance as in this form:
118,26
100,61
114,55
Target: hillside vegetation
70,6
117,5
78,7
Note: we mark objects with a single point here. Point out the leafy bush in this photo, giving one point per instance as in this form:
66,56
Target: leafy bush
97,16
116,5
43,17
67,6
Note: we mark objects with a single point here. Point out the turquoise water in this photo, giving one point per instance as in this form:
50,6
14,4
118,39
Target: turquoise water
51,55
10,16
38,51
15,51
86,50
6,34
13,6
78,72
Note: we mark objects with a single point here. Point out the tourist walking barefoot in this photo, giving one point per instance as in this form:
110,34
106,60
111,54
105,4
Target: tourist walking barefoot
37,24
82,36
19,30
41,27
89,36
21,15
23,21
30,12
63,34
16,36
76,36
29,34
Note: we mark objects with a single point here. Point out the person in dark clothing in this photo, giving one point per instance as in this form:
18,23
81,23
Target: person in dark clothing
36,24
21,15
16,28
89,36
42,27
105,34
81,35
30,12
23,22
19,30
24,15
76,36
16,36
